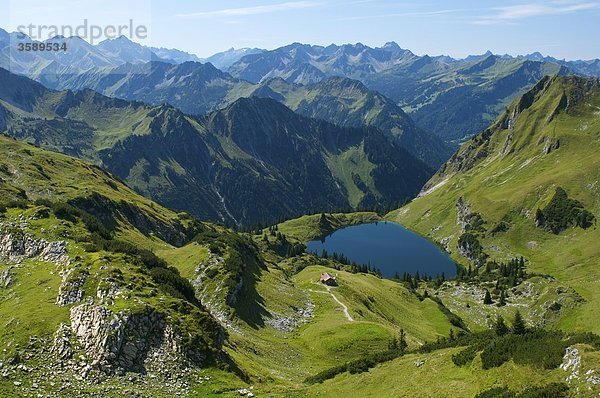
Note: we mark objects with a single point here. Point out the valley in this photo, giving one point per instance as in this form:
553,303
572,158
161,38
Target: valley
303,221
231,160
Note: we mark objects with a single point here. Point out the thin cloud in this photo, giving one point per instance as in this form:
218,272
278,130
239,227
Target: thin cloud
403,14
256,10
510,14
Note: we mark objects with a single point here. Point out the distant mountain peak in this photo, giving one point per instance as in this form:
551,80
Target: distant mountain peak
535,56
391,45
256,104
344,82
122,38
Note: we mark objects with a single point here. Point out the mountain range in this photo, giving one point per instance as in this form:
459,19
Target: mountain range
451,98
46,66
225,59
253,161
105,292
197,89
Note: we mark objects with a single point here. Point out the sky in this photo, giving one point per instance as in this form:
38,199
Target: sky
561,28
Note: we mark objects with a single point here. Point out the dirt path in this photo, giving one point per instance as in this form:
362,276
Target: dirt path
344,308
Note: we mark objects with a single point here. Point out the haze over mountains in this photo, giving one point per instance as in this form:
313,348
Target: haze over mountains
81,56
451,98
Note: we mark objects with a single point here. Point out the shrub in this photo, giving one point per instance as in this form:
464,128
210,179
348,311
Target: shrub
357,366
536,348
562,213
586,338
65,211
465,356
15,204
496,392
173,283
553,390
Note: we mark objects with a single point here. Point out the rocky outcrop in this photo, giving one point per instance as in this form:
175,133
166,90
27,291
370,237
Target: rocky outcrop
71,289
291,322
213,296
463,210
61,345
550,145
109,288
122,340
17,245
6,277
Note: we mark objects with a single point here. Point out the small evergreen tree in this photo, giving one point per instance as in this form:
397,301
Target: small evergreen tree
402,344
500,327
519,324
502,302
488,298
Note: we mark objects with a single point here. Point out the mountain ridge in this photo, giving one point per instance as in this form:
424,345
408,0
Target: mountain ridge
211,166
544,143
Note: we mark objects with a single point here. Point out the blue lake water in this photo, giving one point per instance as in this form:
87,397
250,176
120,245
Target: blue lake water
387,246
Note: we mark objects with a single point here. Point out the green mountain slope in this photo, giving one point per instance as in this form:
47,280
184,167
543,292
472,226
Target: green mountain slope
484,201
103,292
264,162
348,102
198,89
453,99
254,162
81,292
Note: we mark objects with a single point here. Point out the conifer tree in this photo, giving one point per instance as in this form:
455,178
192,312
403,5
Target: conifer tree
402,344
519,324
500,327
488,298
502,299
